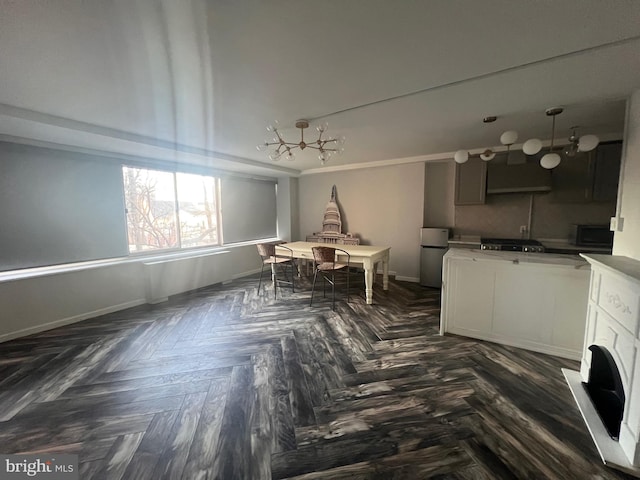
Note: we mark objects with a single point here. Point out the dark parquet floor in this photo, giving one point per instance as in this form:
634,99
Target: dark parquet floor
225,383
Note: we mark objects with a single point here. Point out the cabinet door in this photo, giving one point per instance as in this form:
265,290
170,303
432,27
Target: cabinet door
607,172
572,180
471,182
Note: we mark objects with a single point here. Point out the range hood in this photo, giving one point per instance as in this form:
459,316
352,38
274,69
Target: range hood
517,176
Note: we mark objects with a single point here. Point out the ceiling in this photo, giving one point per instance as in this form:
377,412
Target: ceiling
197,81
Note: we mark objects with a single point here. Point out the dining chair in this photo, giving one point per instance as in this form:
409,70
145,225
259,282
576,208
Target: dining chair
278,263
327,264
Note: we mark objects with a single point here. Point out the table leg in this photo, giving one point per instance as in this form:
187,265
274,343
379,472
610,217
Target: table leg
368,280
273,276
385,273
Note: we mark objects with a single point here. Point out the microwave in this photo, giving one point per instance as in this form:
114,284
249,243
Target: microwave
591,236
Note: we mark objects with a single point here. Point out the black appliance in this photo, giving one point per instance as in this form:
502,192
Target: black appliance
591,236
511,245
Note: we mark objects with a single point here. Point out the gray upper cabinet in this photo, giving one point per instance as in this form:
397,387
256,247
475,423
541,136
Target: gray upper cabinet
588,177
572,180
607,172
471,182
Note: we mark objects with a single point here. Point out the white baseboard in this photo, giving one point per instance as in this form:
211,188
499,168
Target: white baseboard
69,320
245,274
407,279
557,351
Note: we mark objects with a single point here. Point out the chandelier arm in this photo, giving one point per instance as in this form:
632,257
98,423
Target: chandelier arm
278,135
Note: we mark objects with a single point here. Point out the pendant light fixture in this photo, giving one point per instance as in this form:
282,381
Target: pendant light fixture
507,139
551,160
586,143
461,156
325,146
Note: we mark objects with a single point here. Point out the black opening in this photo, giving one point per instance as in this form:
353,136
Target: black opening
605,389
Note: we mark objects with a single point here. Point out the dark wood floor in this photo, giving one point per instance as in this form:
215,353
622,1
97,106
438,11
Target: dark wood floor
228,384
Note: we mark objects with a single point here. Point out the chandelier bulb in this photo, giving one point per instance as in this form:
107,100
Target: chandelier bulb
273,127
322,127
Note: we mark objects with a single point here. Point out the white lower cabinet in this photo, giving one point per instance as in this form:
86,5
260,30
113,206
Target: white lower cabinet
532,301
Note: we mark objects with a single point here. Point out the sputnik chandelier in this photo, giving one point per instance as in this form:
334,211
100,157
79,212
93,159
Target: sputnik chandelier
327,147
533,146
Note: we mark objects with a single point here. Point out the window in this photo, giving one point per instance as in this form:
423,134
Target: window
170,210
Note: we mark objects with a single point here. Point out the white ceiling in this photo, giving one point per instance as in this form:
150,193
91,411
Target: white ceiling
197,81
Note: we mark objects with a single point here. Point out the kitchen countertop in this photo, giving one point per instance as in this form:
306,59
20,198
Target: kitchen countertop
467,240
563,245
552,245
552,259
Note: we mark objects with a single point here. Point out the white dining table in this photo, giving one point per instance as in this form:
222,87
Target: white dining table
367,255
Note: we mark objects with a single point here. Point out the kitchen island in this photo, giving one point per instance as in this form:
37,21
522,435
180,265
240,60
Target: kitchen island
536,301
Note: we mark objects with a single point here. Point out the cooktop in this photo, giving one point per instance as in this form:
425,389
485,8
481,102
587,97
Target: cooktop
511,245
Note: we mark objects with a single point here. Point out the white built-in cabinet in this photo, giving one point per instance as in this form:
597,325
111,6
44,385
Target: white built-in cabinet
532,301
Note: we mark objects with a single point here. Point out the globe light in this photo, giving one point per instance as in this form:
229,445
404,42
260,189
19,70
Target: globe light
532,146
586,143
461,156
509,137
550,160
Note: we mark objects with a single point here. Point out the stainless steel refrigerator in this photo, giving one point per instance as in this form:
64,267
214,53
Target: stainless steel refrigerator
433,246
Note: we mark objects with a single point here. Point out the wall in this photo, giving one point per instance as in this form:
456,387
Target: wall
30,305
383,206
627,242
503,214
287,204
438,198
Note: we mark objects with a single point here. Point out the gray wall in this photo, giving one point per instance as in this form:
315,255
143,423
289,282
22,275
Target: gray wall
382,205
627,242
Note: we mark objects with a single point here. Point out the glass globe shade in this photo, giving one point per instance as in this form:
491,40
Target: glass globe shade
289,156
487,155
274,157
532,146
461,156
586,143
509,137
550,160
